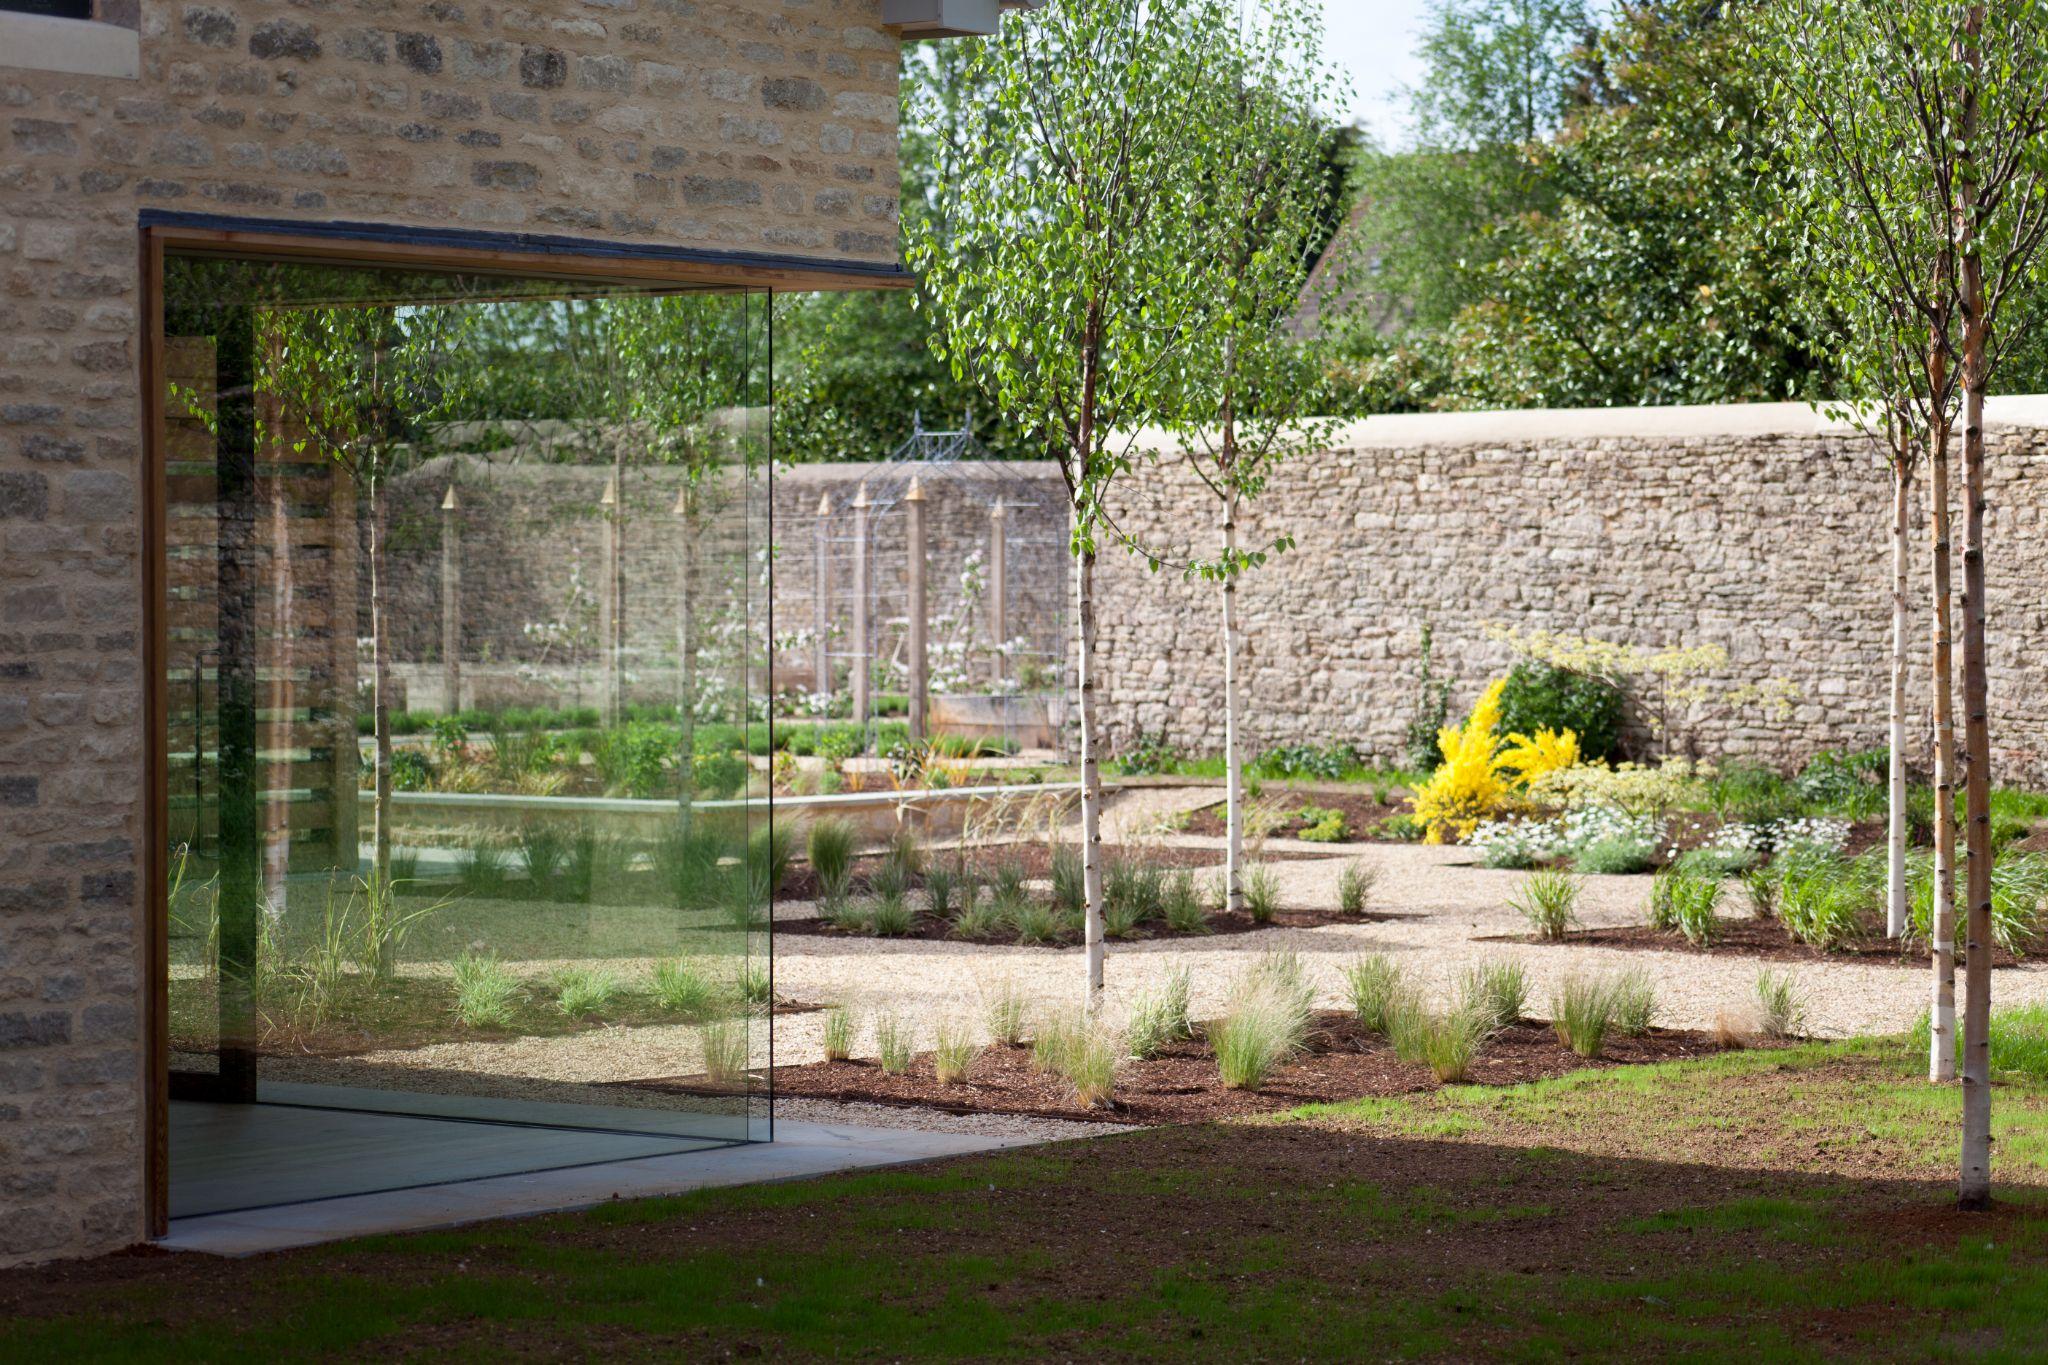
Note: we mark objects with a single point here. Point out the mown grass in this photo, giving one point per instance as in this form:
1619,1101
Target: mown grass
1786,1204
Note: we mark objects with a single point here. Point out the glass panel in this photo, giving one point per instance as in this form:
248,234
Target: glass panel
467,595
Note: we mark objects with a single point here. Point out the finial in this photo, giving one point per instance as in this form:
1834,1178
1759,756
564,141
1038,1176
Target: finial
448,504
860,497
824,504
916,493
611,492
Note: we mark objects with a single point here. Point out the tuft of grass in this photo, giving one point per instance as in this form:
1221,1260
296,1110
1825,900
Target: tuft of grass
1183,908
485,990
1261,893
1052,1037
1615,856
1006,879
839,1029
1355,887
1132,892
1120,917
1034,923
1760,885
1374,982
1089,1064
2019,1041
751,987
1003,1008
681,987
847,915
1266,1021
1823,901
979,919
1494,993
1450,1041
1780,1004
1407,1027
893,1044
1549,900
954,1051
1634,1003
906,855
581,992
891,916
1068,889
1688,902
940,885
1160,1016
484,868
829,844
1582,1012
725,1051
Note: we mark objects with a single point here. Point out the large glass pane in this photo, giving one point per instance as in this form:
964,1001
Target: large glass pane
466,595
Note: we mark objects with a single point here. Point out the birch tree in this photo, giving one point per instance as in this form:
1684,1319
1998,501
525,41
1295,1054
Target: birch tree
1248,379
1057,256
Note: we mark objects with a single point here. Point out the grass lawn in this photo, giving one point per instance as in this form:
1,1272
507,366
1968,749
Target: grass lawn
1781,1205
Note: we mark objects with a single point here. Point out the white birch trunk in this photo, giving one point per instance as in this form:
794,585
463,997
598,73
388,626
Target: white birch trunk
1941,1061
1895,862
1233,756
383,907
1091,779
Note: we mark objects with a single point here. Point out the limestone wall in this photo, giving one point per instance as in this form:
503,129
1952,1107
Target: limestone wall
759,125
1759,529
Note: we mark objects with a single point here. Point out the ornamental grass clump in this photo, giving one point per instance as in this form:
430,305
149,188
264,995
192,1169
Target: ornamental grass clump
1618,856
1685,902
979,919
725,1051
839,1030
1184,910
485,991
1582,1012
1634,1003
1068,889
1032,922
829,844
1159,1016
1449,1042
1821,901
682,987
1549,900
954,1051
891,916
1003,1008
1261,893
1780,1005
1355,887
941,884
1374,983
1495,993
1085,1054
893,1044
583,991
1265,1022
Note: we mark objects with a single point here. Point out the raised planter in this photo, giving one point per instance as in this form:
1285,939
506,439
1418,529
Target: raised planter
1034,720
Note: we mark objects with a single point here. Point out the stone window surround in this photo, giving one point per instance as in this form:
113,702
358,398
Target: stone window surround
109,44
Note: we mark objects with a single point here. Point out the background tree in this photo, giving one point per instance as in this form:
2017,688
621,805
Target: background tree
1057,261
1248,379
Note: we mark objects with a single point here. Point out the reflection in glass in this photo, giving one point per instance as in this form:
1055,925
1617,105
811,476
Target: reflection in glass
466,603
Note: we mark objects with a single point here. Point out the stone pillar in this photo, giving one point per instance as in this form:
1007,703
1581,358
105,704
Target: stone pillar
915,569
608,606
860,606
998,585
821,600
451,603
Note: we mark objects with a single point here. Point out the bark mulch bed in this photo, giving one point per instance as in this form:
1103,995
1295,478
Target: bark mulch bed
1035,859
1363,815
1756,938
1181,1085
1221,922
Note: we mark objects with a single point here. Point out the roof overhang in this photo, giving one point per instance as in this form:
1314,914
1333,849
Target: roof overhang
949,18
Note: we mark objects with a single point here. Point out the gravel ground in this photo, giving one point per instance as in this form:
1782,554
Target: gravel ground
1443,902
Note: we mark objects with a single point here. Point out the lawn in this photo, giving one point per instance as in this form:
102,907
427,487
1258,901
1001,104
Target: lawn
1782,1205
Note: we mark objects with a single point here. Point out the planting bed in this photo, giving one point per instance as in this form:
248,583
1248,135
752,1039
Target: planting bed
1035,859
1363,814
1766,940
930,927
1181,1084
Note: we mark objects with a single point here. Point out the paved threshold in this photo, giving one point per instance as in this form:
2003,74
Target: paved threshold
799,1150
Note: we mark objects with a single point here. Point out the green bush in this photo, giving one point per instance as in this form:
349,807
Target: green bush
1324,825
1836,778
720,776
1326,762
1616,856
1542,696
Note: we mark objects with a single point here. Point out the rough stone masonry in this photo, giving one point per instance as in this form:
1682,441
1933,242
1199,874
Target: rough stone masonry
766,125
1759,528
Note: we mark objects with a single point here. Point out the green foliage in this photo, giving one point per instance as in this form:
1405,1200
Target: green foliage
1183,908
485,991
683,988
581,992
1823,902
1582,1012
1633,999
1495,993
1432,710
1549,900
954,1051
1319,762
2019,1041
1542,696
829,844
1355,887
725,1051
839,1028
890,916
1159,1016
1261,893
1374,983
1781,1005
1003,1009
1616,856
718,776
1323,825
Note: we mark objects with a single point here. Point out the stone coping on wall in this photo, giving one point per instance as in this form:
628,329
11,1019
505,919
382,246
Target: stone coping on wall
1412,430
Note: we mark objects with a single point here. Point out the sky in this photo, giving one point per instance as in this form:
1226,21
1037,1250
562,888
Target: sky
1375,40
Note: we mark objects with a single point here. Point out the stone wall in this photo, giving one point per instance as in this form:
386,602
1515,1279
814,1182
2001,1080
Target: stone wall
764,125
1758,529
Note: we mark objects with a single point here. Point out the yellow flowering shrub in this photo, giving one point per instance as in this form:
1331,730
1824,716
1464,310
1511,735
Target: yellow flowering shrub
1529,759
1470,786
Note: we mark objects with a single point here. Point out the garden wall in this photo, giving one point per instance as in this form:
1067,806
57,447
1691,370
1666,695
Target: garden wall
759,125
1759,528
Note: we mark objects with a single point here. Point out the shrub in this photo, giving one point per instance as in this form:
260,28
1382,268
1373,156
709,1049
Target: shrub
1780,1004
1634,1003
1261,893
954,1050
1495,993
1355,886
1549,900
1328,762
839,1026
1468,786
583,991
719,776
1374,983
1833,777
725,1051
1160,1016
1002,1012
1184,909
891,917
1324,825
830,846
893,1045
680,987
1616,857
1542,696
1582,1011
484,991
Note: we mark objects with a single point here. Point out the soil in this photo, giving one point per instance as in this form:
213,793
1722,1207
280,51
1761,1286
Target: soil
930,927
1363,815
1343,1062
1757,938
1034,858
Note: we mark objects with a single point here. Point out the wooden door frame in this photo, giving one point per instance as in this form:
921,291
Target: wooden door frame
370,245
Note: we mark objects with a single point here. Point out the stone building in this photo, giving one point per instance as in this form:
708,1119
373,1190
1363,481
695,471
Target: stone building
714,144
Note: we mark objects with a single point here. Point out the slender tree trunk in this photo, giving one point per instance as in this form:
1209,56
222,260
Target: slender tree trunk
383,907
1895,864
1974,1186
1091,779
1233,753
1941,1062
